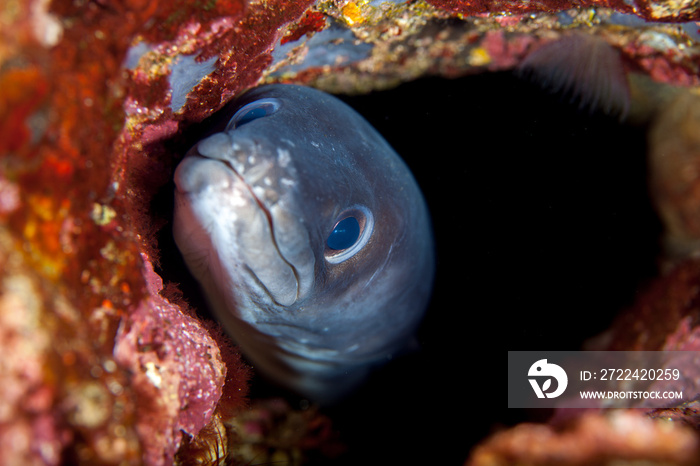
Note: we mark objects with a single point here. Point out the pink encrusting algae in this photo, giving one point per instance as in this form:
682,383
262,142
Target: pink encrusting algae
101,362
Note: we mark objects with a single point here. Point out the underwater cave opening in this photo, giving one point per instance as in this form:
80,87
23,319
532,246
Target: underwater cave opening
544,231
543,222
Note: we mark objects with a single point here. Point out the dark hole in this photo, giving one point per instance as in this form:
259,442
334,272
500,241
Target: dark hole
544,232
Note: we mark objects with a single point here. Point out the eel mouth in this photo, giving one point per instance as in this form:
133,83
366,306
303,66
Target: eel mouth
272,272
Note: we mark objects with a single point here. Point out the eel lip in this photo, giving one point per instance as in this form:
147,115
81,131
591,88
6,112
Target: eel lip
205,177
196,174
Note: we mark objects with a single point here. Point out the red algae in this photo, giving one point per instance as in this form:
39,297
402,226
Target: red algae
24,91
503,53
167,18
465,7
252,41
82,404
617,437
76,193
112,366
312,21
178,381
648,9
664,66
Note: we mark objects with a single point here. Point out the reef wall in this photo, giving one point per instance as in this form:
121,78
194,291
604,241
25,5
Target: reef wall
100,362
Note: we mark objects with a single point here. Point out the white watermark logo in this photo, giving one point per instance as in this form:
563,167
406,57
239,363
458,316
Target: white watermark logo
541,369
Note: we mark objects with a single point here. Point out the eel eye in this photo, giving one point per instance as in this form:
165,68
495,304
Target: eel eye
344,234
253,111
351,231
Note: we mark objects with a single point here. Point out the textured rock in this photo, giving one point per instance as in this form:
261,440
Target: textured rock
620,437
101,363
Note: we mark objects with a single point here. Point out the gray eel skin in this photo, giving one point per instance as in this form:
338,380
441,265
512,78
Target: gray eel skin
312,300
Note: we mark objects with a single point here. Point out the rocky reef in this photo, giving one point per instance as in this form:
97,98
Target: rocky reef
102,359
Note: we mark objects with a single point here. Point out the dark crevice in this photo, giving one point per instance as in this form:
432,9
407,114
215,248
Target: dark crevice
544,231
